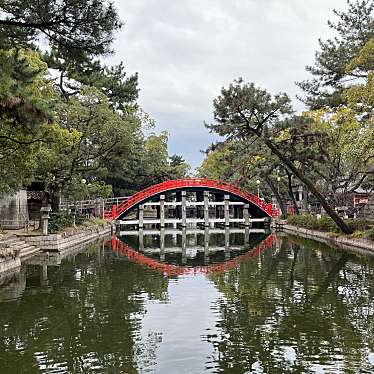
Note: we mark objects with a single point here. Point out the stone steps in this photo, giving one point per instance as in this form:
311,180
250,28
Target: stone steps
19,247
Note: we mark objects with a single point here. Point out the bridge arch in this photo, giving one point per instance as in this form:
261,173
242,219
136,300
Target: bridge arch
257,207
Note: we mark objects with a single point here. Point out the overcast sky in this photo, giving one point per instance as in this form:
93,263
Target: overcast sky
185,51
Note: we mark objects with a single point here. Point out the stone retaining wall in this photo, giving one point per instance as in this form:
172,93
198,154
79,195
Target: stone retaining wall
9,264
344,242
59,242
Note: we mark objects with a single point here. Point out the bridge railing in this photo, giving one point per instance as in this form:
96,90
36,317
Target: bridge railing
85,205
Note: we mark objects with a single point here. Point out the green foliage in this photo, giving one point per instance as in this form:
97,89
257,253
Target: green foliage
329,150
84,125
325,223
311,222
60,221
357,234
332,70
77,28
243,106
369,234
360,224
90,139
26,111
148,164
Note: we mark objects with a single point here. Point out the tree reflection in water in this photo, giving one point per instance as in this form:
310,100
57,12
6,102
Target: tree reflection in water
283,305
306,307
87,318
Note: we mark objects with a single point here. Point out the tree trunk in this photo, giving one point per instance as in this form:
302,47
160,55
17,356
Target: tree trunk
310,185
55,197
278,197
290,192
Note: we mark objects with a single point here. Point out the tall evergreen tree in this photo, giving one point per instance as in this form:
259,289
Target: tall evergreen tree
354,28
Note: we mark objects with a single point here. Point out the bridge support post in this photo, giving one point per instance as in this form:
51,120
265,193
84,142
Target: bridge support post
184,246
227,210
141,216
141,240
227,243
162,211
44,276
206,245
246,235
246,215
184,210
162,244
206,208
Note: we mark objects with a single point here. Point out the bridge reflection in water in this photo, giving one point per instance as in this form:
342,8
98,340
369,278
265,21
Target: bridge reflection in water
191,251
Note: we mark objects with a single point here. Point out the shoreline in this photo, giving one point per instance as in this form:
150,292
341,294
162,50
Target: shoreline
362,246
61,241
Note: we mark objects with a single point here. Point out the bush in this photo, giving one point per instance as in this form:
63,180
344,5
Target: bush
369,234
360,224
313,223
59,221
360,227
357,234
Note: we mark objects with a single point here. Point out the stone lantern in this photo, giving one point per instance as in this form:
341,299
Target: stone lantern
45,210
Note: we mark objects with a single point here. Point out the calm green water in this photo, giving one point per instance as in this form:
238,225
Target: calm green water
290,306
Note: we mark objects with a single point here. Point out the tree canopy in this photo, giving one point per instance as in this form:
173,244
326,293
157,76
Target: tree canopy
65,117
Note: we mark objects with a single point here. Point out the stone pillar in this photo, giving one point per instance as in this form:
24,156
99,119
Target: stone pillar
45,217
206,208
246,235
162,211
246,215
97,208
184,211
227,210
141,240
162,244
206,244
184,246
227,243
178,208
44,276
141,216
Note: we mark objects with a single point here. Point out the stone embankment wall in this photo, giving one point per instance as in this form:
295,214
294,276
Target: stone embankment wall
358,245
59,242
9,264
9,259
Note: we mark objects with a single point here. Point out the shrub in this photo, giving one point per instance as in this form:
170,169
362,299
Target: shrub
313,223
369,234
357,234
59,221
360,224
325,223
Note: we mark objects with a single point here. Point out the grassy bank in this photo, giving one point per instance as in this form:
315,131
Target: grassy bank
362,228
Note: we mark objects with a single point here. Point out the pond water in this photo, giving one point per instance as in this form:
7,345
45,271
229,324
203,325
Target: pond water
229,302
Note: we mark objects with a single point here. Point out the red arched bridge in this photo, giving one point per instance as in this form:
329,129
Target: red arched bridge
225,195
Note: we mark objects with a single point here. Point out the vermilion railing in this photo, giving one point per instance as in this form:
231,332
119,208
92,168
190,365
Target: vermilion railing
170,270
118,210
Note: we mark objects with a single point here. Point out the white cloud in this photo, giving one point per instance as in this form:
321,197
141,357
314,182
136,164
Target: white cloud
185,51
